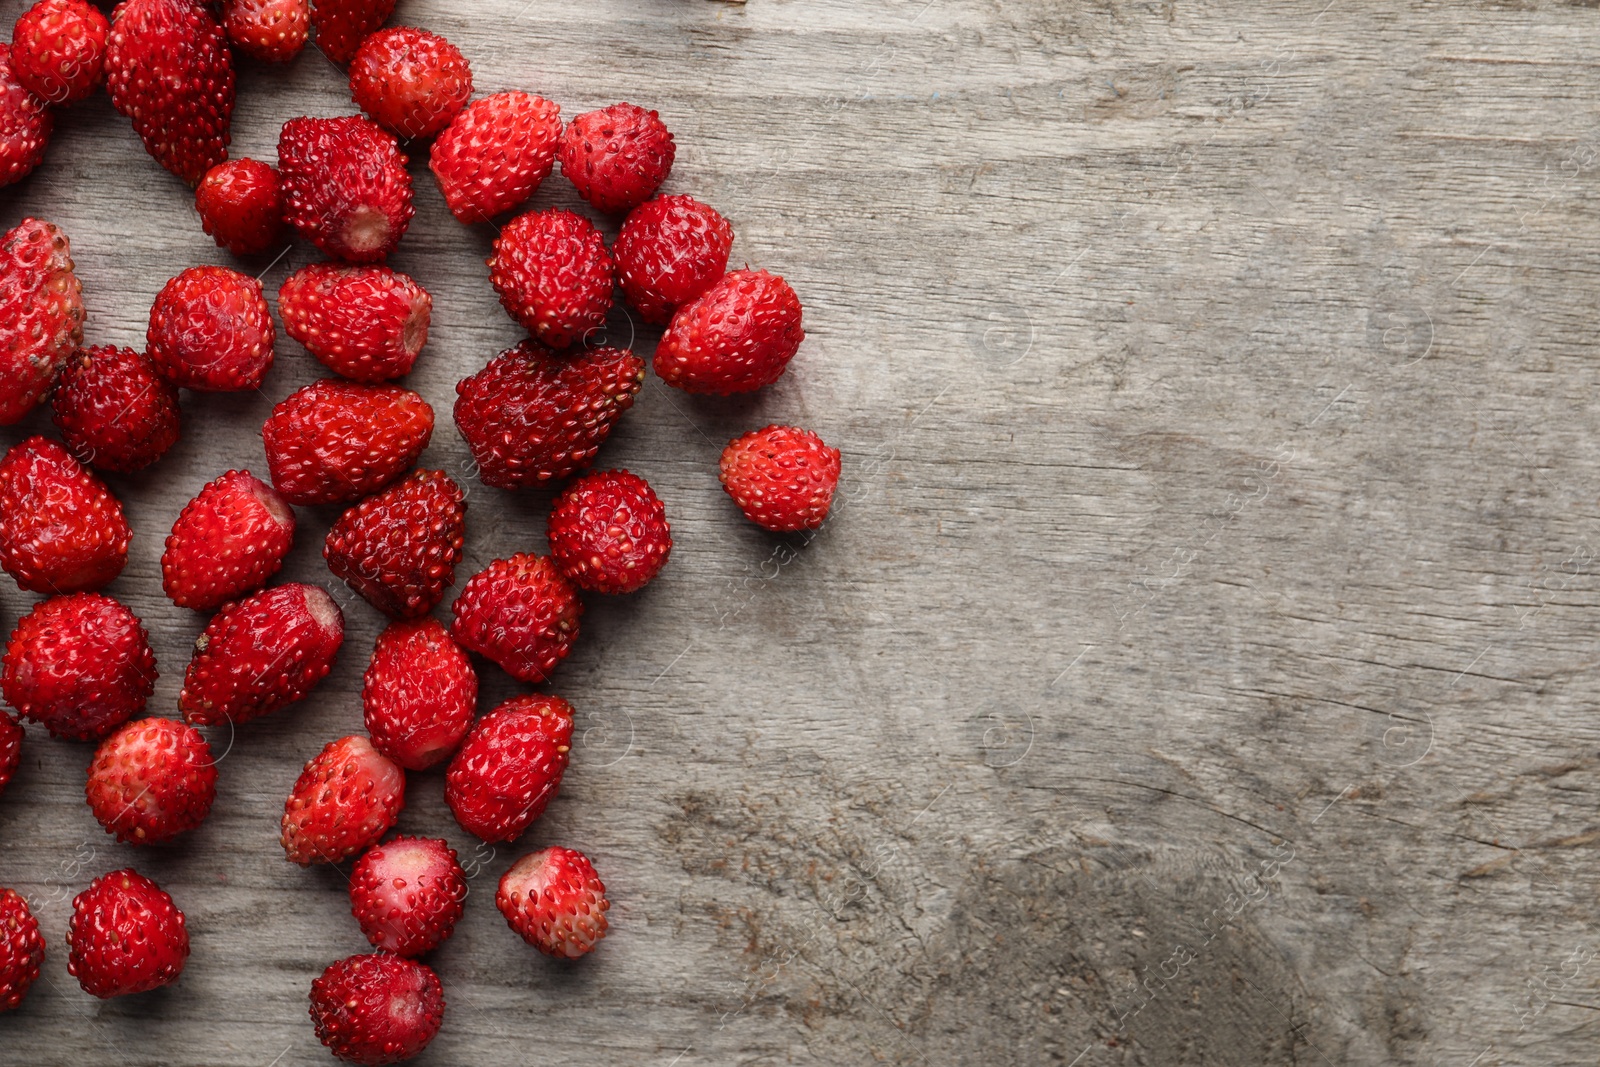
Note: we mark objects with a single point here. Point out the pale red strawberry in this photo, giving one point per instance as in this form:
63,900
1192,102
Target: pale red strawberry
21,949
510,767
519,612
114,410
407,894
151,781
333,442
41,314
240,204
377,1009
735,338
63,531
273,31
365,322
554,900
617,157
210,330
79,665
127,936
11,735
58,49
345,186
228,541
410,82
343,24
553,275
608,532
420,694
781,477
25,124
345,800
399,548
670,251
495,154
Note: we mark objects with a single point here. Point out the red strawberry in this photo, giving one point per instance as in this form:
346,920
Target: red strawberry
495,153
781,477
532,417
670,250
21,949
617,157
25,124
273,31
11,735
345,186
152,780
555,901
510,766
241,206
228,541
410,82
260,654
127,936
333,442
210,330
343,24
63,530
114,410
553,275
377,1009
346,798
365,322
407,895
58,49
399,548
519,612
41,313
169,69
80,665
420,694
608,532
735,338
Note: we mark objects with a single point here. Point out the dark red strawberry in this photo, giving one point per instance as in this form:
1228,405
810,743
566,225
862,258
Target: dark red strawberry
273,31
333,442
671,250
555,901
399,548
376,1009
241,206
260,654
343,24
21,949
210,331
79,665
737,337
41,314
407,894
519,612
152,780
365,322
63,531
11,735
495,154
127,936
553,275
228,541
608,532
25,124
410,82
169,69
345,800
345,186
510,767
781,477
532,417
617,157
58,49
420,694
113,410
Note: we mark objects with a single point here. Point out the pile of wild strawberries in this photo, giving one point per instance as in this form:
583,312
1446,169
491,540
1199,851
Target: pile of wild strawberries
80,663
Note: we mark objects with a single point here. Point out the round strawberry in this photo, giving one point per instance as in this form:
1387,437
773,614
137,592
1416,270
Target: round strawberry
617,157
671,250
420,694
365,322
345,186
399,548
409,81
79,665
407,894
333,442
63,530
342,25
241,206
58,49
781,477
228,541
347,797
377,1009
495,154
113,410
127,936
273,31
41,311
510,767
735,338
210,330
555,901
553,275
25,124
21,949
151,781
519,612
608,532
11,735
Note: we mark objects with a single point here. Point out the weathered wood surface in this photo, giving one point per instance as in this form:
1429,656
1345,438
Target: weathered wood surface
1199,666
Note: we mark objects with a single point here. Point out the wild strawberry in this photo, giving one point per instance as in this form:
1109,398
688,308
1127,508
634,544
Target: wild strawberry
152,780
555,901
228,541
21,949
532,417
409,81
41,313
519,612
781,477
114,410
399,548
25,124
127,936
735,338
617,157
169,69
377,1009
343,24
261,654
365,322
495,154
345,186
510,767
79,665
58,49
273,31
63,532
210,331
671,250
407,894
420,694
332,442
553,275
345,800
11,735
241,206
608,532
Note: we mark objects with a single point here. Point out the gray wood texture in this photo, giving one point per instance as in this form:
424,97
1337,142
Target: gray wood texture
1198,666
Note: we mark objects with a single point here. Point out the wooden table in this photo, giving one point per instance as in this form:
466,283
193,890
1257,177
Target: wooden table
1198,667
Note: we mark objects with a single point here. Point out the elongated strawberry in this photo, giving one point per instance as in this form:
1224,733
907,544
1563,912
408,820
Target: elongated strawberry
41,314
409,81
670,251
21,949
510,767
63,531
420,694
80,665
58,49
343,24
555,901
781,477
407,894
553,275
519,612
240,204
11,735
152,780
399,548
495,154
735,338
376,1009
25,124
114,410
210,331
617,157
345,186
345,800
273,31
127,936
608,532
365,322
228,541
333,442
261,654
